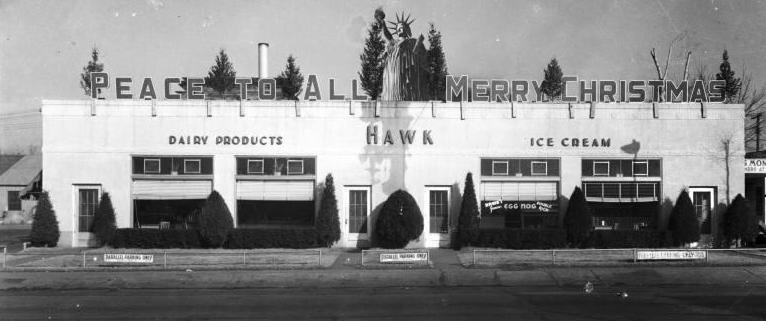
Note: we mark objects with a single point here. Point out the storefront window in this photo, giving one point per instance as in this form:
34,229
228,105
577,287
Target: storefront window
255,166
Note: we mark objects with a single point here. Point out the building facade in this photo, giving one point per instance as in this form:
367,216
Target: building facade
159,160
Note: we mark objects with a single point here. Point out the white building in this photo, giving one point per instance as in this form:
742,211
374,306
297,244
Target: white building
159,160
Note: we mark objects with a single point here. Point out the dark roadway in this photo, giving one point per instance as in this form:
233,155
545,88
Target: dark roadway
736,302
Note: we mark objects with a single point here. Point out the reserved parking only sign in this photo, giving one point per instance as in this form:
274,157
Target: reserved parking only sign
671,255
403,257
128,258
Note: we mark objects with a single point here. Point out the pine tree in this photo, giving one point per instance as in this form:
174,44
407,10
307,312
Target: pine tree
221,75
732,84
215,221
683,221
552,85
371,75
92,66
740,223
291,80
104,226
328,223
437,64
45,227
468,220
399,221
578,219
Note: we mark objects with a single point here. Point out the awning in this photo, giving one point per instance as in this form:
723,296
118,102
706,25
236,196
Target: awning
275,190
519,191
171,189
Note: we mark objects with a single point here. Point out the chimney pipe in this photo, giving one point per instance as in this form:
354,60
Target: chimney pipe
263,60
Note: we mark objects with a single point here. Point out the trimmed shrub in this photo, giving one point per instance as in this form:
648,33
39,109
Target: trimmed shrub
45,227
156,239
519,239
468,220
615,239
740,224
399,221
683,221
104,226
328,224
578,219
295,238
215,221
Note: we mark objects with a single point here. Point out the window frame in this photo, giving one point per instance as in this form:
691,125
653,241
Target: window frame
507,167
199,165
601,162
349,207
645,163
78,204
303,169
445,189
532,168
263,167
17,201
159,165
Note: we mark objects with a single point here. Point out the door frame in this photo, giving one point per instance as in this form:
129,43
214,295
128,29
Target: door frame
436,239
713,190
352,239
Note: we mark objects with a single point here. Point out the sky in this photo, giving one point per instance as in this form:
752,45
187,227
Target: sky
45,44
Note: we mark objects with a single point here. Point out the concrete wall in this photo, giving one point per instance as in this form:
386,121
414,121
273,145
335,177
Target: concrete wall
86,142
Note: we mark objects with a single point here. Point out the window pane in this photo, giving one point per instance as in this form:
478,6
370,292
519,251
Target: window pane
151,166
88,203
601,168
640,168
14,202
295,167
192,166
255,167
357,212
438,208
539,168
500,168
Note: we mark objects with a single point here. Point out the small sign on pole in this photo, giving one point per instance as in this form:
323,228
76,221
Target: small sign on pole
403,257
128,258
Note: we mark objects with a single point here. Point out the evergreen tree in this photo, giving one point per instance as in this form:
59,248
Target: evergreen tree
371,75
45,227
215,221
291,80
92,66
468,220
683,221
104,226
221,75
732,84
552,85
399,221
328,224
740,223
437,65
578,219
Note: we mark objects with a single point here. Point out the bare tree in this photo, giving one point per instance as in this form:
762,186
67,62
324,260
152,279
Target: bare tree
726,148
754,100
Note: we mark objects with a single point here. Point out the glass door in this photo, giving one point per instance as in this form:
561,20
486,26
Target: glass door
702,199
357,208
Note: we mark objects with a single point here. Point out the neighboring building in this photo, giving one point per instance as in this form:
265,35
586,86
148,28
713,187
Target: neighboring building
159,160
17,188
755,177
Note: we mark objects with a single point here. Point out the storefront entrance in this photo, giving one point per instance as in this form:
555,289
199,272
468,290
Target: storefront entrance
169,204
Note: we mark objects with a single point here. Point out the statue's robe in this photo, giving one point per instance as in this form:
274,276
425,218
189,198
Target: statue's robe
405,70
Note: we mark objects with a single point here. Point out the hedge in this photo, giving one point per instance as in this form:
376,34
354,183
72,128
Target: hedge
519,239
294,238
157,239
629,239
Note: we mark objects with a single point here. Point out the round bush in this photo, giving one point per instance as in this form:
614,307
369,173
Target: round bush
399,221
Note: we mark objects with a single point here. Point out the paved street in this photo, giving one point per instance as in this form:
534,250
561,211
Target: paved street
735,302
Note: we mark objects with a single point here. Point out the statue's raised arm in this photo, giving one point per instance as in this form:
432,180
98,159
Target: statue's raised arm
380,17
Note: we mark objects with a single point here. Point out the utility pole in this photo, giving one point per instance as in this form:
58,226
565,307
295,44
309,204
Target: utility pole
757,131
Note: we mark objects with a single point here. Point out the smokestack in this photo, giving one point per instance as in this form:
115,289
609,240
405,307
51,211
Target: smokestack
263,60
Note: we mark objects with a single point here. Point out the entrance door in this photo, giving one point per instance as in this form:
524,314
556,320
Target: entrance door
702,198
357,212
437,207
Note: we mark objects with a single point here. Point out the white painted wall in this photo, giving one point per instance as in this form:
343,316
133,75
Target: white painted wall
82,149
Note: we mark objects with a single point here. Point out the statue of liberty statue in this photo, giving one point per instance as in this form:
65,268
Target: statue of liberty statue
405,61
